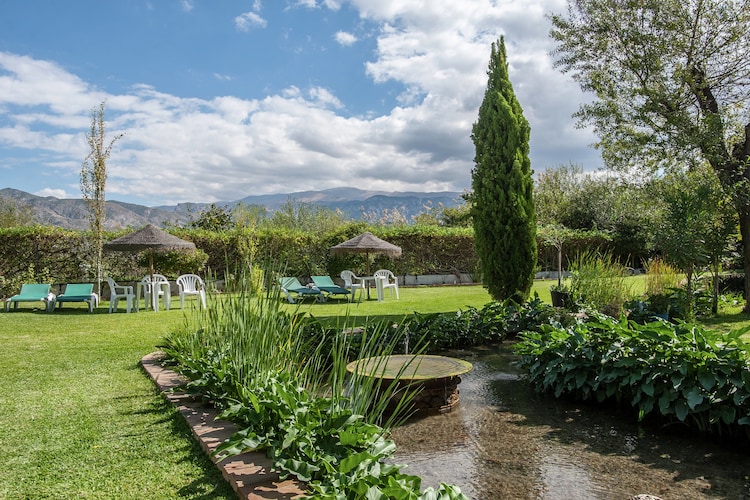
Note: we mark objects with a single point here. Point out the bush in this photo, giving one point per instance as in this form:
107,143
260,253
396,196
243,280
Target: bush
679,373
600,282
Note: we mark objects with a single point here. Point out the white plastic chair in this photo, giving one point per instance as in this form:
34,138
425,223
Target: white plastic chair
118,292
161,283
352,282
387,280
191,284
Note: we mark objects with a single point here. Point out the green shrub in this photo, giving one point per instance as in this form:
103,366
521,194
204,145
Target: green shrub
674,372
599,281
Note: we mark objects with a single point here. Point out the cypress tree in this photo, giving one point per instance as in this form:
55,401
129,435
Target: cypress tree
502,197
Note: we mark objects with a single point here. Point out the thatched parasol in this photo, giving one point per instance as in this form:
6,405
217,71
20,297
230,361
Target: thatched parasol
367,243
149,238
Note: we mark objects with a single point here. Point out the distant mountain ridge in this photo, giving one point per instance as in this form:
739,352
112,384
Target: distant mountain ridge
353,203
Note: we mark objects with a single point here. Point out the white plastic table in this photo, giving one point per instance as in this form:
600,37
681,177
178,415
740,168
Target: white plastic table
163,285
378,285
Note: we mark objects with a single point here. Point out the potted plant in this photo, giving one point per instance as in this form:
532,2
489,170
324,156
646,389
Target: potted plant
561,296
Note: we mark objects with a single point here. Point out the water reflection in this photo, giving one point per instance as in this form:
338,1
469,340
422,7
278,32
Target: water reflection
505,441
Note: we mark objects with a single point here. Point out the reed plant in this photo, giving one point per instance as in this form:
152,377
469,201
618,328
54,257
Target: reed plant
598,280
293,395
661,277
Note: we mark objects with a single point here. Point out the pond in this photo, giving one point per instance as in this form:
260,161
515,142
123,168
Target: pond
505,441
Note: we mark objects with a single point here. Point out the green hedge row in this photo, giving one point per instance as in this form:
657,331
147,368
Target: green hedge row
54,255
57,256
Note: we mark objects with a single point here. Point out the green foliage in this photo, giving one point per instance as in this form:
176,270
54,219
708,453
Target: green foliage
557,236
213,218
494,322
257,363
696,224
614,204
11,285
502,199
176,263
14,213
305,217
64,255
674,372
94,183
669,84
599,281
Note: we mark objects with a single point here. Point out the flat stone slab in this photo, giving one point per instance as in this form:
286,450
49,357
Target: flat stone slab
250,474
410,367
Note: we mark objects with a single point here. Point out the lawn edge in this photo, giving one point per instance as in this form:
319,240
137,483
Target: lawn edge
249,474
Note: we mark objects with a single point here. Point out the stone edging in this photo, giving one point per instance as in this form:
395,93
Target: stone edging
249,474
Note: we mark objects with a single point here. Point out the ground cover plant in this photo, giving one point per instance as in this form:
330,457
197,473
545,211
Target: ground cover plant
672,373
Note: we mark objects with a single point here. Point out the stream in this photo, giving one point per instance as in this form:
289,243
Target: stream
504,441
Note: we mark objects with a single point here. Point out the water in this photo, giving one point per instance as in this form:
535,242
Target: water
503,441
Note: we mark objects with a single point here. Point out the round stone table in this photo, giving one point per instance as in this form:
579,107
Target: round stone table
435,378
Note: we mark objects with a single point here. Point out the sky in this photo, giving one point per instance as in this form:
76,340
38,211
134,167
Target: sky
218,100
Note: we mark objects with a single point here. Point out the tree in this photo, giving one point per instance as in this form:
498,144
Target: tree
502,200
213,218
14,214
671,80
695,227
303,216
94,183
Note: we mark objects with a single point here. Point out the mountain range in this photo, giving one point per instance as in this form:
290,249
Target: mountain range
356,204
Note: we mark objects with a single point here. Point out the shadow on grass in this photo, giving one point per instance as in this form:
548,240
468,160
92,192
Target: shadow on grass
728,322
208,485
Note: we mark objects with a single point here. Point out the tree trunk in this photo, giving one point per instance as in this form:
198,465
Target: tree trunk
745,233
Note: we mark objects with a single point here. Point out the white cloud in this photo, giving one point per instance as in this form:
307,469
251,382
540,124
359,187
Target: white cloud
180,149
187,5
55,193
344,38
248,20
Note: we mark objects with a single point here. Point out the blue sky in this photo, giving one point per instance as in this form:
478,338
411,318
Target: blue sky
220,100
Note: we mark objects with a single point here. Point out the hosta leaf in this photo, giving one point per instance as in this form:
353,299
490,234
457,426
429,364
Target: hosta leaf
728,414
707,380
374,493
677,380
665,404
694,397
681,410
353,461
303,470
648,388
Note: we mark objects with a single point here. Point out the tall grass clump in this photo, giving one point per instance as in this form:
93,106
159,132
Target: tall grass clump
660,277
292,396
598,280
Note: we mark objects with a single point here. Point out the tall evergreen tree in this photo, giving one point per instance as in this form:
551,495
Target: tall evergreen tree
502,198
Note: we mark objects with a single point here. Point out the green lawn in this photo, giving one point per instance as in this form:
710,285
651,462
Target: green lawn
80,419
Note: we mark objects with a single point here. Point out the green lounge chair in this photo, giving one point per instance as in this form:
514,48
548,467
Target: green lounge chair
326,284
33,292
79,292
291,285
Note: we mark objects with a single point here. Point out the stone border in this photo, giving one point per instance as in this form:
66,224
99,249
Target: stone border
249,474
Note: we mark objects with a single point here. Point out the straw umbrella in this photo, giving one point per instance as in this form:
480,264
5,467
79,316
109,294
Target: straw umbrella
367,243
150,239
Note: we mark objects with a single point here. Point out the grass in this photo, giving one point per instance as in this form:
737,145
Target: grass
80,419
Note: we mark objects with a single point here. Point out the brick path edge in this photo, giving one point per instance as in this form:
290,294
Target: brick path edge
249,474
